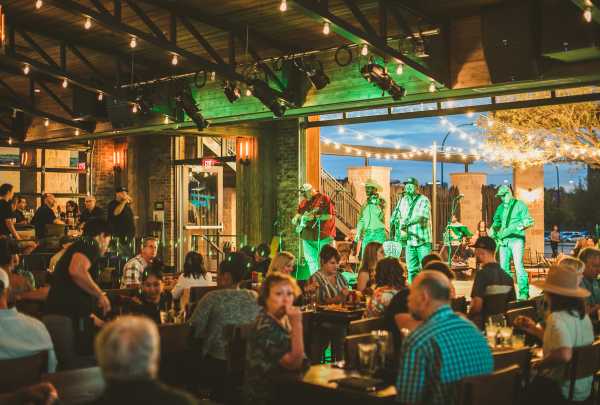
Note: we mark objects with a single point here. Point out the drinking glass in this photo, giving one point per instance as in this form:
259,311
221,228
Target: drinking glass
506,334
518,341
366,357
381,339
491,331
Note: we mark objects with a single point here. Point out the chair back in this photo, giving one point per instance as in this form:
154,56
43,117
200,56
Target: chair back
23,371
494,304
520,357
520,304
174,338
513,314
365,325
499,388
237,336
351,348
459,304
584,363
62,334
196,293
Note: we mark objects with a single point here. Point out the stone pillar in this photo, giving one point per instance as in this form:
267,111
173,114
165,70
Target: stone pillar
528,185
357,176
469,184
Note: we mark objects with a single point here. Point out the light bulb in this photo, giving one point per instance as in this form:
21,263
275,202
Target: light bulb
326,28
432,87
490,122
174,60
166,120
10,141
39,4
509,130
100,96
341,130
134,108
133,42
587,14
77,132
283,6
26,69
213,76
46,122
88,23
248,92
400,68
364,51
65,83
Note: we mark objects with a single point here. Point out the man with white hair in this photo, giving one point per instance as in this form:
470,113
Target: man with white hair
127,350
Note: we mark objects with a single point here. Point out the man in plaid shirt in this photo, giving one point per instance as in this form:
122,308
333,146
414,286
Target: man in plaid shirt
411,226
134,268
441,351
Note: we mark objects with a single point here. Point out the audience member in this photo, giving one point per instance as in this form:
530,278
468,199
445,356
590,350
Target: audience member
22,282
443,268
45,215
276,342
194,275
42,393
444,349
554,240
373,253
134,268
21,335
482,230
283,262
152,299
573,264
591,259
431,257
489,280
389,281
582,243
567,326
261,258
73,291
227,306
7,216
19,206
127,350
65,242
90,210
71,213
120,216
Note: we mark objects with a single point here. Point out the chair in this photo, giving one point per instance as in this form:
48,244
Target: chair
584,363
174,338
237,337
351,348
365,325
512,314
175,354
520,357
459,304
22,371
499,388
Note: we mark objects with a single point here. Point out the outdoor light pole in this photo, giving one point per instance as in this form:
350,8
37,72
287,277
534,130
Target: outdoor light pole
557,187
442,150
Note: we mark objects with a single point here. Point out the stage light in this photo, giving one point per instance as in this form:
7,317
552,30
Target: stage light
232,92
269,97
313,68
185,101
133,42
379,76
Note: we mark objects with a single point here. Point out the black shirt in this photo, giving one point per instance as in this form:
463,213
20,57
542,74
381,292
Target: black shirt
148,392
43,216
86,215
398,305
19,217
491,279
65,297
150,309
122,224
263,266
6,212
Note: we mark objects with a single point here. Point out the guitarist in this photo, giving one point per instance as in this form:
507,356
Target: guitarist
508,229
411,226
315,222
371,226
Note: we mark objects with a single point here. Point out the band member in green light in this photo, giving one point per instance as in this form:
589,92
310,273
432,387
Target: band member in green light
371,225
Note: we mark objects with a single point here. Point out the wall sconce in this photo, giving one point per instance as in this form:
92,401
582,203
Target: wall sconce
117,160
245,150
119,154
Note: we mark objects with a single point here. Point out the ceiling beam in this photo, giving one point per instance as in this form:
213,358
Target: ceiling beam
113,24
379,45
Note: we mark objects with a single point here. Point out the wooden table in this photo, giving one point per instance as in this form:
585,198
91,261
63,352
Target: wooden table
77,386
318,385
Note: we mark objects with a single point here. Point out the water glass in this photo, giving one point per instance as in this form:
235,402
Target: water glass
366,357
491,331
506,333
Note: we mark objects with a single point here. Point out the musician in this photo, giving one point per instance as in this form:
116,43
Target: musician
315,213
508,229
411,226
371,226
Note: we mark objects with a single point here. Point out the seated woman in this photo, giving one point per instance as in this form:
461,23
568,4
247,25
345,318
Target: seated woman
152,301
283,262
194,275
22,282
366,272
276,341
567,326
389,280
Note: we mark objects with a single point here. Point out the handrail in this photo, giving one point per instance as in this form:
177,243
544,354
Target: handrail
346,207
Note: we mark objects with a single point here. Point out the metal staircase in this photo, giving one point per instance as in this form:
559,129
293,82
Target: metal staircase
346,207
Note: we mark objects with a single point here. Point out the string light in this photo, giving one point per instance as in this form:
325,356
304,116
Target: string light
134,108
326,28
77,132
248,91
510,131
39,4
174,60
364,51
133,42
470,114
341,130
100,96
587,14
10,141
46,122
88,23
65,83
26,69
400,68
213,76
283,6
166,120
432,87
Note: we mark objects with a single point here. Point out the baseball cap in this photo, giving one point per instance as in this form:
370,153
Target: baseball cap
4,278
412,180
485,242
121,189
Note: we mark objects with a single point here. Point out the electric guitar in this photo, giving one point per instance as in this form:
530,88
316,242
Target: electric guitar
305,219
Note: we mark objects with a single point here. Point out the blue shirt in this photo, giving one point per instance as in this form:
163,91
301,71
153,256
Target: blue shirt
437,355
22,335
593,286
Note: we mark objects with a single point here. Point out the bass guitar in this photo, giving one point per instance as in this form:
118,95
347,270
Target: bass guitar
305,220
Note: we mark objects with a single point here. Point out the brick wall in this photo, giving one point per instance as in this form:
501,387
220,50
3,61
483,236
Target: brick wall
103,181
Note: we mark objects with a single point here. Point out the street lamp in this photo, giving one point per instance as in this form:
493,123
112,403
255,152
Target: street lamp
443,146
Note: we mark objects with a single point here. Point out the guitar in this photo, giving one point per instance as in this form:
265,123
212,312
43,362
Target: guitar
305,219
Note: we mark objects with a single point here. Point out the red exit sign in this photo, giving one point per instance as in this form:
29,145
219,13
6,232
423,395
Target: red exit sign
81,166
208,163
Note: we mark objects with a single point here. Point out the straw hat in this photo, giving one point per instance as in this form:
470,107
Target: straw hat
373,184
562,281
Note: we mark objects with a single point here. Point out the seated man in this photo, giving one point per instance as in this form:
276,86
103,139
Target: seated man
21,335
127,351
591,258
45,215
226,306
134,268
152,300
489,280
444,349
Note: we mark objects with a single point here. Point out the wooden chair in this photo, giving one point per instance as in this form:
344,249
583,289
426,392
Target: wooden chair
237,337
520,357
351,348
23,371
459,304
365,325
584,363
176,354
502,387
512,314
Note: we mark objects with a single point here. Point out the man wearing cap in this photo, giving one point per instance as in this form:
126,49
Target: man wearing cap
371,226
315,222
120,216
411,226
508,229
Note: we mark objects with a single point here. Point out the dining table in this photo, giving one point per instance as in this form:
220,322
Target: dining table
77,386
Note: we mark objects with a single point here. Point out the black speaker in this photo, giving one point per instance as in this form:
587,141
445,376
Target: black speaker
507,36
298,84
119,113
86,104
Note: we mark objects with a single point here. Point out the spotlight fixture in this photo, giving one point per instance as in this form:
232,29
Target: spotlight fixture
232,91
283,6
38,4
379,76
26,69
313,68
269,97
186,102
65,83
143,103
326,28
133,42
88,23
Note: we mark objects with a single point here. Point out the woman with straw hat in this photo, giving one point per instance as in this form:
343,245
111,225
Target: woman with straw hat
567,326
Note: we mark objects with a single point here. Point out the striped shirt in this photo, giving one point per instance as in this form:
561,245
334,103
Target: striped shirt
419,230
327,289
437,355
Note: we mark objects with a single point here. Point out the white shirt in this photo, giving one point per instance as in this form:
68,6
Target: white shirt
188,282
22,335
